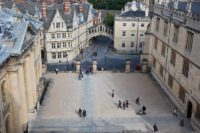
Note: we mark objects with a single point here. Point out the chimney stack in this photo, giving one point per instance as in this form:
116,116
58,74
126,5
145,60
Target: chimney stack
50,2
67,6
20,1
44,12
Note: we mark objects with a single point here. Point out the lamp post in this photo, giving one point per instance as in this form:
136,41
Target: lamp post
67,60
105,59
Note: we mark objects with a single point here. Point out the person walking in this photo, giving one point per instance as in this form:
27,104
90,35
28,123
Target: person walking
175,111
84,113
120,104
113,93
80,112
127,103
137,101
124,105
182,123
56,70
144,109
155,128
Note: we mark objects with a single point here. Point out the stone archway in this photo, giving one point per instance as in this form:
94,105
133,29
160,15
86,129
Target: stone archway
189,109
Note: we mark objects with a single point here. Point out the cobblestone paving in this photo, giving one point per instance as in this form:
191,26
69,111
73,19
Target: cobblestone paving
67,94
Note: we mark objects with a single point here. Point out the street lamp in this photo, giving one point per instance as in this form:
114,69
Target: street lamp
105,59
67,60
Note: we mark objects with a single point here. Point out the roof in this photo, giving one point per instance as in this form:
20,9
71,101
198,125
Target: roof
137,13
16,36
68,18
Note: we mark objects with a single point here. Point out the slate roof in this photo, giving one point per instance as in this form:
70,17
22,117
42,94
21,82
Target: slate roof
137,13
51,11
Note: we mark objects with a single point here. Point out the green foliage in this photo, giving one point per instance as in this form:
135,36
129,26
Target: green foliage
109,4
109,20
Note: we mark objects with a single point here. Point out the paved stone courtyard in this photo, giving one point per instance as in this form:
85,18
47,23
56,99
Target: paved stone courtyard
67,94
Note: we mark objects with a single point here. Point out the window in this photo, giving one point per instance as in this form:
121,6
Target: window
53,45
58,35
65,54
53,55
182,93
123,44
69,45
185,68
163,49
62,24
141,45
173,57
53,25
57,25
198,112
189,41
59,54
132,34
157,24
156,43
141,35
165,28
124,24
176,32
64,45
132,44
154,62
63,35
170,80
142,24
123,33
53,36
133,24
161,70
59,45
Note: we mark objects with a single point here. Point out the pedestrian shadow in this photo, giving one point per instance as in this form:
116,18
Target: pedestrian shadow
116,104
76,111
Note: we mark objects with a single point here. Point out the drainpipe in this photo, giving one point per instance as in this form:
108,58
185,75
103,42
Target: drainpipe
137,34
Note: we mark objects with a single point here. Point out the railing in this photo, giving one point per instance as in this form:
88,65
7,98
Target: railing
6,108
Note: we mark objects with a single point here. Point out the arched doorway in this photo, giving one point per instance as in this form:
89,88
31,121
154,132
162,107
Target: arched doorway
189,110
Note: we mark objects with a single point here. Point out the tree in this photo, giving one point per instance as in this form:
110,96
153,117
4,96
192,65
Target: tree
109,20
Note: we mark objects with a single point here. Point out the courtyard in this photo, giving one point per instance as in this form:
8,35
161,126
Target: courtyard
66,94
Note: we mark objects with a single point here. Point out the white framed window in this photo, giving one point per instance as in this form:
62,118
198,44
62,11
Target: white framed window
65,54
123,44
142,24
63,35
53,36
59,45
132,44
141,45
57,25
53,55
124,24
132,34
133,24
58,35
59,55
53,45
64,45
123,33
141,35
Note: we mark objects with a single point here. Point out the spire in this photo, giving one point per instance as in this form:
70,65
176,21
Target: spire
44,13
67,7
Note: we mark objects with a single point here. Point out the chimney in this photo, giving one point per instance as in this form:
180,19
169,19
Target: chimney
80,8
81,1
189,6
67,6
20,1
44,12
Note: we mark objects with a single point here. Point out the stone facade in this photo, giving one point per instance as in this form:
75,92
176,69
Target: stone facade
66,29
130,27
173,39
21,70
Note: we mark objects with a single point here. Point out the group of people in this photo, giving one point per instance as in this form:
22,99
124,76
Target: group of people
82,113
123,104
